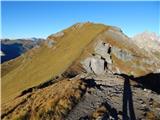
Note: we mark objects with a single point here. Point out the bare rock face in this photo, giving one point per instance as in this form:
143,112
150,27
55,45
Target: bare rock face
122,54
97,66
103,50
86,64
100,59
94,65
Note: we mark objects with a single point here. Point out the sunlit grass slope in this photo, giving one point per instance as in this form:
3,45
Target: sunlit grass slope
43,63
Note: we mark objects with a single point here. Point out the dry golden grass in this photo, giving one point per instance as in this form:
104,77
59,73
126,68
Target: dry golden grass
52,102
151,116
10,65
44,62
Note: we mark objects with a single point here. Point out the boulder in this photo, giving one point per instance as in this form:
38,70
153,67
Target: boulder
86,64
103,50
94,65
98,66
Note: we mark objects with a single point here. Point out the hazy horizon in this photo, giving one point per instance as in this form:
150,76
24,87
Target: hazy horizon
22,19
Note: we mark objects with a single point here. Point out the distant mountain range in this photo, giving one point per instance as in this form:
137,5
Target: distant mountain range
11,49
148,41
88,71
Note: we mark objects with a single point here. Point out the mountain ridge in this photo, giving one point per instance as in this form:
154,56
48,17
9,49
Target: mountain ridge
42,53
85,63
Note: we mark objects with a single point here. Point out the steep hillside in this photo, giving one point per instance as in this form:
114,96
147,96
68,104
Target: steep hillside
82,72
48,61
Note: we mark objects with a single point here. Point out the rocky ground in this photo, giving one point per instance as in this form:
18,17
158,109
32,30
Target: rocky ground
121,97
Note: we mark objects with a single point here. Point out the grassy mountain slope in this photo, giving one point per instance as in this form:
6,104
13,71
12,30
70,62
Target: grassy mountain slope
43,63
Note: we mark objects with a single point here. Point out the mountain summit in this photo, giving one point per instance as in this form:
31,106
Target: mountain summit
48,81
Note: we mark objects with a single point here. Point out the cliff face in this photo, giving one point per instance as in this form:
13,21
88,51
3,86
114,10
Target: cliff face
70,65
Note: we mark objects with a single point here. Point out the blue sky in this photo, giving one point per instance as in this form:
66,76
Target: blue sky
22,19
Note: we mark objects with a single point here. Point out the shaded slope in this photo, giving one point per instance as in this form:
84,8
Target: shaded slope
11,51
14,48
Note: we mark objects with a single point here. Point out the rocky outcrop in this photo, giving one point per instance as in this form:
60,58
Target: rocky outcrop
104,50
120,55
94,65
100,60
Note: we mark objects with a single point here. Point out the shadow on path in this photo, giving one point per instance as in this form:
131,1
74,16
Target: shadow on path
150,81
128,109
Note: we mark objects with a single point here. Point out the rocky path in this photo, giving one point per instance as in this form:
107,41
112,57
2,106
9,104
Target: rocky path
115,97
